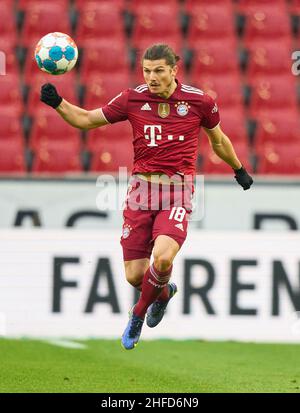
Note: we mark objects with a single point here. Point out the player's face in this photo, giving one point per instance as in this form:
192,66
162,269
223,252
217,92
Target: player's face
159,76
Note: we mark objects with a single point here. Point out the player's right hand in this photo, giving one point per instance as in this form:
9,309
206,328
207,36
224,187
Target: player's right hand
50,96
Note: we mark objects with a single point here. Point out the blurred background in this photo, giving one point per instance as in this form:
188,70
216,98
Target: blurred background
241,282
240,52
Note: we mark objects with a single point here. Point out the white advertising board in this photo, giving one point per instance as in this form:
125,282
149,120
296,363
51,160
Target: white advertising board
232,286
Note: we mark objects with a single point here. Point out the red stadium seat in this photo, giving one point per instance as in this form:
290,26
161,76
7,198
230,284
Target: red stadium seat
65,85
110,157
119,133
57,158
267,23
273,93
50,127
212,164
12,157
100,20
272,130
190,5
10,125
214,58
7,20
104,56
150,25
90,4
208,23
279,159
226,89
43,18
294,7
10,95
29,4
268,58
246,6
100,90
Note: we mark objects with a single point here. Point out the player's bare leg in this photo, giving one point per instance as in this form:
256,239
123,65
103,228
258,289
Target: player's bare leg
135,270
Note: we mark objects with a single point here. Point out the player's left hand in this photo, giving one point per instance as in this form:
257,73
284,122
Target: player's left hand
243,178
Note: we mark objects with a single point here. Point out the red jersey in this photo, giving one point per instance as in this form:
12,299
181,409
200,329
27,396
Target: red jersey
165,131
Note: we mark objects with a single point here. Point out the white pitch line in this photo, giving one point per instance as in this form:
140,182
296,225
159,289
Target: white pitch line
67,344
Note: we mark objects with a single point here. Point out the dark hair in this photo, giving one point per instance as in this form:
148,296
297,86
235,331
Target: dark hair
161,51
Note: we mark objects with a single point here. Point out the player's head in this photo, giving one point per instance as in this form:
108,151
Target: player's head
159,67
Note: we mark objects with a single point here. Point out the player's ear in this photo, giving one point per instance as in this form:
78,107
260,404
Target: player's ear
174,70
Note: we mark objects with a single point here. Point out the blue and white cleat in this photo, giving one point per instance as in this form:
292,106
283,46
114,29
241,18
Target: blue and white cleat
157,310
132,332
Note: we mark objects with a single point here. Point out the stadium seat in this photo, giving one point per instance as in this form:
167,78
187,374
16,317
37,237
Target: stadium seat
7,20
279,159
119,133
267,23
92,4
246,6
272,130
273,93
43,18
65,86
10,125
100,20
134,5
25,5
226,89
104,56
294,7
57,158
212,164
272,58
49,128
100,90
10,95
110,157
190,5
214,58
12,157
150,25
210,23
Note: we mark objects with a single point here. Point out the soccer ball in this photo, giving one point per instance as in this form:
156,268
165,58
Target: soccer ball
56,53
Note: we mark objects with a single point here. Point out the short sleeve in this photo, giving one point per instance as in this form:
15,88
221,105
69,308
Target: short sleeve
116,109
210,113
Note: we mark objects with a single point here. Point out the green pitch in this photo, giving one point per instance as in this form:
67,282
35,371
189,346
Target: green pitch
154,366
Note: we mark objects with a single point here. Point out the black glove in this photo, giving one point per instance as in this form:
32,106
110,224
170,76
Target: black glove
243,178
50,96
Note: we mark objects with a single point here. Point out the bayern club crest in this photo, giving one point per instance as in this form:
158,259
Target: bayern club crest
182,108
126,231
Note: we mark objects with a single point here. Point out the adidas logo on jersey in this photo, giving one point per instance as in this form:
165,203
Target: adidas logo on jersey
146,106
180,226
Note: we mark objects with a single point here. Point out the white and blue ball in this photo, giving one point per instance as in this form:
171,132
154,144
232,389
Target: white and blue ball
56,53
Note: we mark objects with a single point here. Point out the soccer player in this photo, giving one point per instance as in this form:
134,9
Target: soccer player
166,117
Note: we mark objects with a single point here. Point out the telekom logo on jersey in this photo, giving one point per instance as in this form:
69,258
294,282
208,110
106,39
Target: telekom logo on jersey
153,132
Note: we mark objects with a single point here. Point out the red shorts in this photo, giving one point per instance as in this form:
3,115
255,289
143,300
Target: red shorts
151,210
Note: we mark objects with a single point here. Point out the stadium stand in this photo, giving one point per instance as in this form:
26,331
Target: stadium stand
238,51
